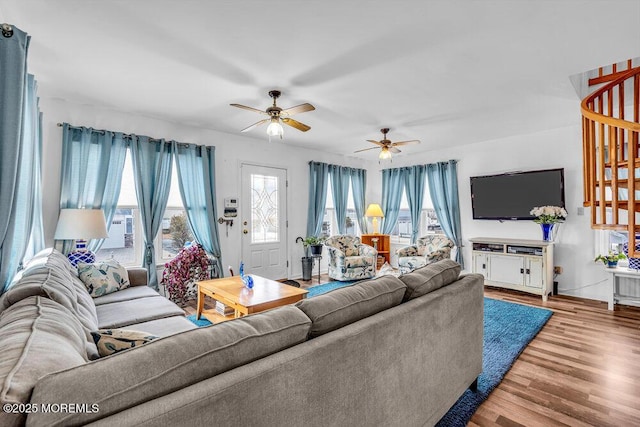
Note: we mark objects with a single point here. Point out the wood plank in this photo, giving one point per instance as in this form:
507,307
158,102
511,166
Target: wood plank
581,369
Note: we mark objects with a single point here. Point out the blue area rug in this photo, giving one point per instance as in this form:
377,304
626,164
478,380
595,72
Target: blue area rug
316,290
199,323
508,329
313,291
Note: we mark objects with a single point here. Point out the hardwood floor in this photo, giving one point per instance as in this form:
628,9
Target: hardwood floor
582,369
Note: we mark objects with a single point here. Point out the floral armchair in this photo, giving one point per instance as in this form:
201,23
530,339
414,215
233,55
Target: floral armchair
349,259
427,250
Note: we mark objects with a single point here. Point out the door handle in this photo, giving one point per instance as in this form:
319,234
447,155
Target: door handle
245,231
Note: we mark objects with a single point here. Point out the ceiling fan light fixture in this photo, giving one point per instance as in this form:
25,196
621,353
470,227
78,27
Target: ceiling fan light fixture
385,154
275,128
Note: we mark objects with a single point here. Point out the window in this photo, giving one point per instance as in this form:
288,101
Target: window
330,221
125,241
428,220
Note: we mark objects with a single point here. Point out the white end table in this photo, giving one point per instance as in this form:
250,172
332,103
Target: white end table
615,275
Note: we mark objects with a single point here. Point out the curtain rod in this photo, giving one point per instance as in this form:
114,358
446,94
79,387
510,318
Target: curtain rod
129,135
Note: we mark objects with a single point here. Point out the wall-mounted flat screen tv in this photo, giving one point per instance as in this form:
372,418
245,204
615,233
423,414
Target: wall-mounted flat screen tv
511,196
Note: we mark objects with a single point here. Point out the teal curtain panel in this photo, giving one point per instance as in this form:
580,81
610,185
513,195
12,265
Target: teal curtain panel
196,177
92,165
443,186
359,190
19,145
152,164
318,184
414,178
340,178
392,182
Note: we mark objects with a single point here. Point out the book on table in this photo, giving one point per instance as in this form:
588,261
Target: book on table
225,310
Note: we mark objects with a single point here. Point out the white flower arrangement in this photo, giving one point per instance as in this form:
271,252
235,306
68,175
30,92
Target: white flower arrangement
548,214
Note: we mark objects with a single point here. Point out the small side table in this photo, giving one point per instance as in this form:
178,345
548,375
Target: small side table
614,282
319,258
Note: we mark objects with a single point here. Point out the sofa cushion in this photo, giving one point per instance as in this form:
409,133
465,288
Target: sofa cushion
103,277
37,336
429,278
346,305
111,341
165,327
124,313
169,364
49,274
43,279
134,292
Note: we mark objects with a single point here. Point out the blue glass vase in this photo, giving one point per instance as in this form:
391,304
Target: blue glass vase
547,232
247,280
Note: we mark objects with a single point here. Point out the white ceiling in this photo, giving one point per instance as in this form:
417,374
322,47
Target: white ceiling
445,72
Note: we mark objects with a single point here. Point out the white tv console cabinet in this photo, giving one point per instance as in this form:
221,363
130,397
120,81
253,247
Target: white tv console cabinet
523,265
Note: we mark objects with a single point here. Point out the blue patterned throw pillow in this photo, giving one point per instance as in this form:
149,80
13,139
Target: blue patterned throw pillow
103,277
110,341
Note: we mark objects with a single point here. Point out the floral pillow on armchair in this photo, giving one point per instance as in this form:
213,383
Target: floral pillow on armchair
103,277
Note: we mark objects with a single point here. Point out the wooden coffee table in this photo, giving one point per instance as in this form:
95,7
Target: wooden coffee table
231,291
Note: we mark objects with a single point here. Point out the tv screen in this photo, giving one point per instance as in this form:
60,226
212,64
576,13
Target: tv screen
513,195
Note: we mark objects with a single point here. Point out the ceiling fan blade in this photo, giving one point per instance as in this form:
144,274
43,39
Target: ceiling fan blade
254,125
244,107
296,124
394,150
366,149
302,108
412,142
376,142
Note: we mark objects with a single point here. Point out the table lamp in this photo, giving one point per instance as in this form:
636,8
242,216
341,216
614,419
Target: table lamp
374,211
79,225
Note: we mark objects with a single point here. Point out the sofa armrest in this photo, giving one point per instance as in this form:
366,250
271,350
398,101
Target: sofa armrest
368,251
408,251
438,255
336,256
137,276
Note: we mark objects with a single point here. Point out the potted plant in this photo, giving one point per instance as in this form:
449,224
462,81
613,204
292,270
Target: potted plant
314,244
611,259
183,271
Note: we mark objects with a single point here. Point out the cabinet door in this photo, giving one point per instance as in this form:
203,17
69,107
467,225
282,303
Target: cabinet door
506,269
480,263
535,268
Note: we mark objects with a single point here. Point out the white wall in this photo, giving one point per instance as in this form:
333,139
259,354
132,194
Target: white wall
557,148
231,151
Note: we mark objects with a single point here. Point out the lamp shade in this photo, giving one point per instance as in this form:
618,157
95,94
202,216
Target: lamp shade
385,154
81,224
374,210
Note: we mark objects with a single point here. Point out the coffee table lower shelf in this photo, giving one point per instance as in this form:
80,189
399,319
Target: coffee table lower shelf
214,317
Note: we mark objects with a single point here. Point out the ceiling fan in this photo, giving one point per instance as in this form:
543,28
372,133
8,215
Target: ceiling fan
277,116
387,147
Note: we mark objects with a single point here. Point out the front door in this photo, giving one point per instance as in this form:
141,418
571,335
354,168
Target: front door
264,222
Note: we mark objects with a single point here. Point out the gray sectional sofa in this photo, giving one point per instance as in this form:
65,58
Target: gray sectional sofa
385,351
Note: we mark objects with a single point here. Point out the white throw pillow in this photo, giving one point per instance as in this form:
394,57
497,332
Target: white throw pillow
103,277
386,269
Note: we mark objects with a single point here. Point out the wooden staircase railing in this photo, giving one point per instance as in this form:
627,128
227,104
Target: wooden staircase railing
611,157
